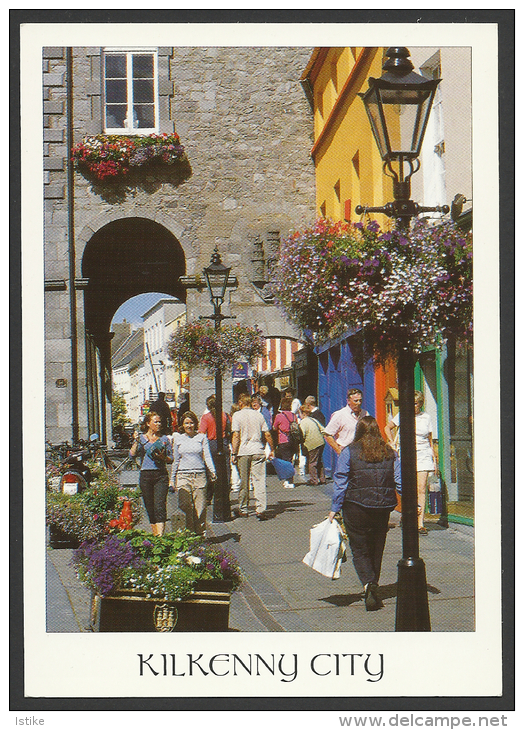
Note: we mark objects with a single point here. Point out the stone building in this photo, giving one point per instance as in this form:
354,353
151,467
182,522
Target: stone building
246,179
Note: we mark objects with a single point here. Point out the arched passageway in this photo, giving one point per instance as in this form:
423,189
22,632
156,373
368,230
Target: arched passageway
126,257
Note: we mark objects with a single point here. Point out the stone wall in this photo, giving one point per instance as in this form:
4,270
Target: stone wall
247,129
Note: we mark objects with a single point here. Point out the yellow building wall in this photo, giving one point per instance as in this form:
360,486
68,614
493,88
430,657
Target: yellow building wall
347,161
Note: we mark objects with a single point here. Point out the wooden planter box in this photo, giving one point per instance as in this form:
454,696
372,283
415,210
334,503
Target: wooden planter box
207,609
58,539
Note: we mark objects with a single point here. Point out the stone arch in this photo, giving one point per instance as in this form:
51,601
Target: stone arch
107,217
123,258
126,257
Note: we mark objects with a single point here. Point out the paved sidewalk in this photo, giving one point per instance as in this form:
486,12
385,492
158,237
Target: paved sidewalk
283,594
286,595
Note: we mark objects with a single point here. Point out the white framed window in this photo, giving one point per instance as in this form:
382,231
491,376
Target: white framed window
130,91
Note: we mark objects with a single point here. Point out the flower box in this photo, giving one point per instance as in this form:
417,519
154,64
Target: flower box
114,156
91,513
206,609
59,539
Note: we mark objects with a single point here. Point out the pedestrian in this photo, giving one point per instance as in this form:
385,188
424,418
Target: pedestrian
235,474
155,451
266,404
183,405
162,408
313,432
249,436
273,394
341,427
300,455
174,421
366,478
208,426
259,405
424,450
286,449
295,402
315,413
191,458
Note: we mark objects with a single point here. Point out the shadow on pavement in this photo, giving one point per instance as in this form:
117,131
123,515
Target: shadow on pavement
384,592
289,506
235,536
344,599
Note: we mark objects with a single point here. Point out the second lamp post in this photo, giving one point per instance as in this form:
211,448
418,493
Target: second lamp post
217,276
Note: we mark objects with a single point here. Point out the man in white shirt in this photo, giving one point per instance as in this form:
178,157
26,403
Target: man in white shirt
250,433
340,430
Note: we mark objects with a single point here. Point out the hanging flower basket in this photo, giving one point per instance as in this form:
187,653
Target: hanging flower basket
200,345
105,157
397,288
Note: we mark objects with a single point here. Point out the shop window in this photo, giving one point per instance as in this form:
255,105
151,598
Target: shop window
130,92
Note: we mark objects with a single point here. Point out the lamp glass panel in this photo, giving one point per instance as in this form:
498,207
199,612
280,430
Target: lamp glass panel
380,133
405,114
216,282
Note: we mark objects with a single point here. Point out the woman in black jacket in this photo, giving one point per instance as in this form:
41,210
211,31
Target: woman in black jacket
366,477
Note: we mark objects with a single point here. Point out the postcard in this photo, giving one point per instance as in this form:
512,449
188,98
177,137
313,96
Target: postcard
257,130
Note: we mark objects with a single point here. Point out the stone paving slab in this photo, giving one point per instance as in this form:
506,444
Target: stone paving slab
281,593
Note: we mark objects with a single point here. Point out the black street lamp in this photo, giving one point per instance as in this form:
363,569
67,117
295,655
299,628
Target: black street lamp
217,275
398,105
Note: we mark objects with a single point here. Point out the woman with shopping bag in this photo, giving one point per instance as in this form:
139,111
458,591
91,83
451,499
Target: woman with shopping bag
366,477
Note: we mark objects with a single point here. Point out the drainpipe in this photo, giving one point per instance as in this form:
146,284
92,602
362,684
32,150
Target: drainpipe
71,241
152,368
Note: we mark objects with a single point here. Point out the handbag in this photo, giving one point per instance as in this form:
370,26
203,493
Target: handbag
328,548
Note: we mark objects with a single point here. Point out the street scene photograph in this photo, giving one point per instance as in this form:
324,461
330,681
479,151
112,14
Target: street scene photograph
292,289
264,335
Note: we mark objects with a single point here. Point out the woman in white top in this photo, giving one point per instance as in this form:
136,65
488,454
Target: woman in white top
425,453
191,456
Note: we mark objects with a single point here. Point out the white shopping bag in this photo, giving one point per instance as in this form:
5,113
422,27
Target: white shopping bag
327,547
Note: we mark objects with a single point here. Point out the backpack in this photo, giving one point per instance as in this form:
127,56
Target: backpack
296,437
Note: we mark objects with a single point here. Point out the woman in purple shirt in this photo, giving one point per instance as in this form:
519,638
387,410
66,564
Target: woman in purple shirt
281,425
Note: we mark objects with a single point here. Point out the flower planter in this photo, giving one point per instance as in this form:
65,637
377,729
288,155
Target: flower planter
59,540
206,609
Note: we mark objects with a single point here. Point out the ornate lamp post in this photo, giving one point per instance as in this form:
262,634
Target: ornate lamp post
398,105
216,276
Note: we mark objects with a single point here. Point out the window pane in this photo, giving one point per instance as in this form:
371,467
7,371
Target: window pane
116,91
143,67
115,115
145,116
116,67
143,92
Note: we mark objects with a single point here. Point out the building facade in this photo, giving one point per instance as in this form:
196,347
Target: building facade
245,180
349,172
